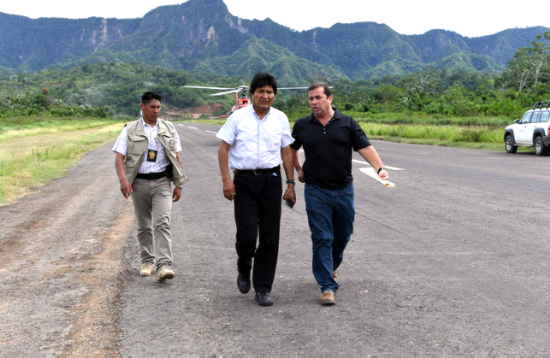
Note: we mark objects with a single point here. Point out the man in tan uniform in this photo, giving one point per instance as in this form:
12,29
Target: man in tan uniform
149,168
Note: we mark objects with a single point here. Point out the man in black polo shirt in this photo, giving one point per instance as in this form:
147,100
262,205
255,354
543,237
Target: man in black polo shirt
328,138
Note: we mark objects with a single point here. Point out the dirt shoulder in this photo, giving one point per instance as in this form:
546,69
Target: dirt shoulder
60,250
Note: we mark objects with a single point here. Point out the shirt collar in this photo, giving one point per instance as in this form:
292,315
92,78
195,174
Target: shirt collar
256,114
144,124
337,115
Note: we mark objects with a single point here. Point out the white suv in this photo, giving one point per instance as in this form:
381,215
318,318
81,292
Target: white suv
532,130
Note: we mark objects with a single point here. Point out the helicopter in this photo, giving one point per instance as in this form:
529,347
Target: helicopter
241,93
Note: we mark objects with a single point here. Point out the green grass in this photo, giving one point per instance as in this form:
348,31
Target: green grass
418,128
435,120
38,125
473,137
34,151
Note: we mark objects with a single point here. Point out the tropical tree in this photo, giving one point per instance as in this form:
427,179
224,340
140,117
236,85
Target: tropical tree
530,65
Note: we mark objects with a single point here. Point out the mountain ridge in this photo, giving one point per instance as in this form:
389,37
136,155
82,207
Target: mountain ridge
203,34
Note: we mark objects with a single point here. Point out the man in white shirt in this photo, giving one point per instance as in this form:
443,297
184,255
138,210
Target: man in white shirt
254,141
147,162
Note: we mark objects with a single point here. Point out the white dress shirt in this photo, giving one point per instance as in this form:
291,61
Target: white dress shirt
158,166
255,143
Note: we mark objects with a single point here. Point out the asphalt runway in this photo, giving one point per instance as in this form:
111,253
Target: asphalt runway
452,261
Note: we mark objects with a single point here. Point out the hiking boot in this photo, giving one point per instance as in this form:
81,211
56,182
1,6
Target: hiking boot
146,269
166,273
328,298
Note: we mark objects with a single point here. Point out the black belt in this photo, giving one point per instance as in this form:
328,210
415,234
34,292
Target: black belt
151,176
257,171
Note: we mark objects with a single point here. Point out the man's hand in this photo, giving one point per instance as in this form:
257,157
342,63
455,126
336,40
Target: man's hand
301,175
176,195
383,174
126,188
229,190
290,194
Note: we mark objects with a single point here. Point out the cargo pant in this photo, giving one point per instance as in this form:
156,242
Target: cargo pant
153,207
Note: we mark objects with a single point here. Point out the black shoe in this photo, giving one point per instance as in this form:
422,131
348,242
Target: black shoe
264,299
243,283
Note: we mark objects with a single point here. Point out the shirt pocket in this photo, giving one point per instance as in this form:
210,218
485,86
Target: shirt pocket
170,143
136,145
136,148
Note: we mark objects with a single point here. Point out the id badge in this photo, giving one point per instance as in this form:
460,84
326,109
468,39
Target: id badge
152,155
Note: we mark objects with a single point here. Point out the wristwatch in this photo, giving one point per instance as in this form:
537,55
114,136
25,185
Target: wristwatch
379,170
290,181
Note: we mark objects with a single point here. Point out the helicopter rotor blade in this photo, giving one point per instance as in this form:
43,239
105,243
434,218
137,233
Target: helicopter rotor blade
293,88
205,87
226,92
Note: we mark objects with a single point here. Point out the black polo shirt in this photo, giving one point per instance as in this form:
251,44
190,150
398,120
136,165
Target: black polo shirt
328,149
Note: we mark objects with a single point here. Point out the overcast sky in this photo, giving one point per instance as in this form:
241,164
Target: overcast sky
466,17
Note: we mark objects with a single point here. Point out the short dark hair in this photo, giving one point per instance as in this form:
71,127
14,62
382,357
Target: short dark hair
262,79
149,96
322,85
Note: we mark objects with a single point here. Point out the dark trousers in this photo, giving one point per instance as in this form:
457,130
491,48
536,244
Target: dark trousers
258,211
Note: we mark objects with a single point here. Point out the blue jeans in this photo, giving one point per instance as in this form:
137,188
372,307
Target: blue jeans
330,215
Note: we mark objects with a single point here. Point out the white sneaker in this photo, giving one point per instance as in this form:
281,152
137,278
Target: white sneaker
166,273
147,269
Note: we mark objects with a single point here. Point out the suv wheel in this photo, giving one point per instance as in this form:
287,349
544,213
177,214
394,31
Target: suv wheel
509,144
539,146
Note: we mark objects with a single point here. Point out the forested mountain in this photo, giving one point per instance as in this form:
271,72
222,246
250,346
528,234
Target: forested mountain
115,86
203,35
